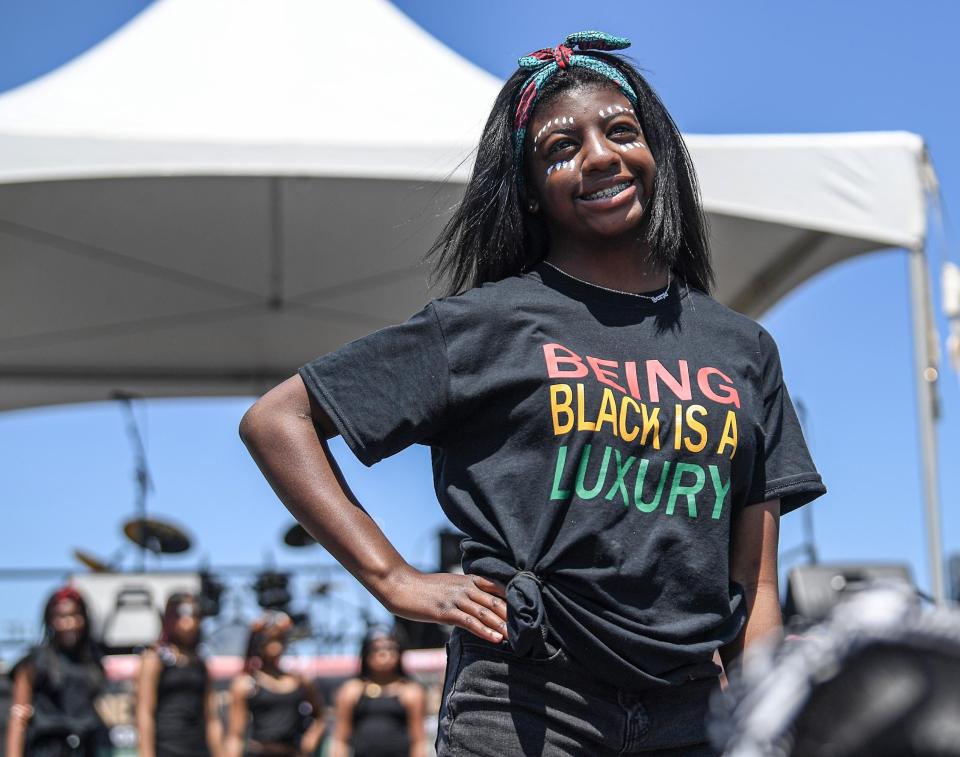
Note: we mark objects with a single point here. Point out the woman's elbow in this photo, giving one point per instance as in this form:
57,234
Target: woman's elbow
253,422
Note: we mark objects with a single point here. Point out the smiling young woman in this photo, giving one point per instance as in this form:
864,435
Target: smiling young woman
617,446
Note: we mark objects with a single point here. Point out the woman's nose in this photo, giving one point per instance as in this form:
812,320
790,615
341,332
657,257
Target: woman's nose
599,155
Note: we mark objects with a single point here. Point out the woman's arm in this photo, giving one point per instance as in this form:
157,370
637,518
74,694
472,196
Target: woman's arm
286,434
212,717
237,716
343,705
753,564
311,739
146,698
415,701
21,710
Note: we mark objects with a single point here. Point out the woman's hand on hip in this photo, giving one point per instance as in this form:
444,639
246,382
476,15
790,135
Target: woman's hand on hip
474,603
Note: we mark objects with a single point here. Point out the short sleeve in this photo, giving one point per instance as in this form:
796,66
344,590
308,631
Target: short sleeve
786,470
387,390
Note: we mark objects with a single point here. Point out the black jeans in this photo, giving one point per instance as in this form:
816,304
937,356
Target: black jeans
497,704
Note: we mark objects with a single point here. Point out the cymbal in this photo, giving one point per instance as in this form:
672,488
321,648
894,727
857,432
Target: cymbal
91,561
156,535
297,536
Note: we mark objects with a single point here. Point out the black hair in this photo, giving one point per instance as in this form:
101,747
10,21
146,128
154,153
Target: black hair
86,650
491,236
378,634
271,622
66,594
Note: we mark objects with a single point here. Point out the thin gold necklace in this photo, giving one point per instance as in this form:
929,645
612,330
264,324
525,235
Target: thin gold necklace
651,297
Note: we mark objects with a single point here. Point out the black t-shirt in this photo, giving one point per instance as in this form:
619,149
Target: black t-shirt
181,725
596,441
65,687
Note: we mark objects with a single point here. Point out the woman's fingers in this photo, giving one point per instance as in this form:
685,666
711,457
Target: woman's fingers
481,621
490,586
491,602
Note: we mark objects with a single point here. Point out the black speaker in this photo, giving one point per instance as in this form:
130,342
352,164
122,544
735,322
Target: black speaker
272,588
813,590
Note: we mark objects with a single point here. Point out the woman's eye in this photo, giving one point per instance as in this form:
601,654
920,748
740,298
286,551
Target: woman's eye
621,129
562,144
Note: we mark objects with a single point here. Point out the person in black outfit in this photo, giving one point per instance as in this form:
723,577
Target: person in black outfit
55,687
176,706
283,710
380,714
617,446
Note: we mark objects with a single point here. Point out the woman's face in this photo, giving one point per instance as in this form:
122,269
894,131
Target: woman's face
274,646
383,656
588,166
68,624
186,628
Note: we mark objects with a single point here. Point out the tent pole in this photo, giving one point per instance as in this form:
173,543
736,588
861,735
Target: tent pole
924,350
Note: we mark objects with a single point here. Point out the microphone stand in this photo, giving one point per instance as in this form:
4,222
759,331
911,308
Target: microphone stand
141,472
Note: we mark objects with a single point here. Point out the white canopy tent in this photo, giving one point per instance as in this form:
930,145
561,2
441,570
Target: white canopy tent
217,193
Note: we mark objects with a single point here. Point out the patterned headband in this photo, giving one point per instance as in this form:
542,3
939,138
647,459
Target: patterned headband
66,593
545,63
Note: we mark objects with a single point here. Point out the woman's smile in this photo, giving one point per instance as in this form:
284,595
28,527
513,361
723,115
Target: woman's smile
612,195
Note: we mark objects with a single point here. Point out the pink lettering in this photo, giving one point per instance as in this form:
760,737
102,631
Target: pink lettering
680,389
554,361
630,368
729,395
603,375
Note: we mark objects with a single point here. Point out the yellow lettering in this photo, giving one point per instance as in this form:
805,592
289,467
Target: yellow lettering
582,425
628,436
697,427
651,423
608,411
561,407
729,435
677,425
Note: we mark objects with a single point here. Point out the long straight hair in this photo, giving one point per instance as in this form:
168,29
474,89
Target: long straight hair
86,651
491,236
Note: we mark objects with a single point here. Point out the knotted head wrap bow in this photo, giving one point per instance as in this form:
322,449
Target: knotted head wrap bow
544,64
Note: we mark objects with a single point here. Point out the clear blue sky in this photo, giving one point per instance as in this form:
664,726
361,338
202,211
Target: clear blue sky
752,66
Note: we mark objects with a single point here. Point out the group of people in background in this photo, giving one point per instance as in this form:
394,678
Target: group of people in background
271,712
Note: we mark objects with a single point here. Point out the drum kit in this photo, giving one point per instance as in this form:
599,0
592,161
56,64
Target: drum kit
152,538
161,537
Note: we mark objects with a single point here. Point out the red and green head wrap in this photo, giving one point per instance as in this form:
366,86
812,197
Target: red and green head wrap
544,64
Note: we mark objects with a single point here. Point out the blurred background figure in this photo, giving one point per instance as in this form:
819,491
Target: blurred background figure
283,710
879,678
381,713
176,706
55,686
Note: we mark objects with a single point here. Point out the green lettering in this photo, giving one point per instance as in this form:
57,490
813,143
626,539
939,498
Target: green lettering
582,491
679,490
619,483
720,488
556,492
648,507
